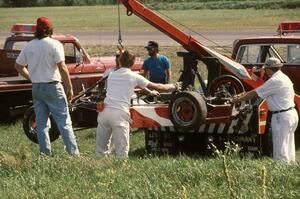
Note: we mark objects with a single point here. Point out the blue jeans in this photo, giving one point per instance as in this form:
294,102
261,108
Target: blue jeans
51,98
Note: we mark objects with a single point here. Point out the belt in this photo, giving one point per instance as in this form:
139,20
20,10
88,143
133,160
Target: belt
283,110
53,82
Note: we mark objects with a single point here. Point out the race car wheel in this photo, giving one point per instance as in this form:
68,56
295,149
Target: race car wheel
225,86
187,110
29,126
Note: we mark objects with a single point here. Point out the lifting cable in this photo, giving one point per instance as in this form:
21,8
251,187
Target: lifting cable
119,24
201,35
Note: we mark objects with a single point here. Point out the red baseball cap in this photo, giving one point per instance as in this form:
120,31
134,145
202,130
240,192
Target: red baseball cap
44,23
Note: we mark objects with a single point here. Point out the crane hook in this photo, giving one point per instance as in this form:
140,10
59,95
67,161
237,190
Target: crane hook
119,23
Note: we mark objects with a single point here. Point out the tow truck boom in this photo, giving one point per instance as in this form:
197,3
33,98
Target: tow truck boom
188,42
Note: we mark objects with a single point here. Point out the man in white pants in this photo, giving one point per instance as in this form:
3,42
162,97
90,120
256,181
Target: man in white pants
279,92
114,120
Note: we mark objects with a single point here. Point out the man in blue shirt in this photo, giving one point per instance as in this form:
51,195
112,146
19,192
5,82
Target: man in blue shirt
156,64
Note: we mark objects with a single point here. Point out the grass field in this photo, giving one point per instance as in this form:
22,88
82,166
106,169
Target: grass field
104,18
25,174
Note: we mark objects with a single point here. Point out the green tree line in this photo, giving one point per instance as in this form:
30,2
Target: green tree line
165,4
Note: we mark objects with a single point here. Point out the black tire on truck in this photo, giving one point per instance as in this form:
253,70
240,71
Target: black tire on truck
187,110
29,126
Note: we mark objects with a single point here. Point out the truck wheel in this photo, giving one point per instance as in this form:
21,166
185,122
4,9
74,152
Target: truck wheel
29,126
225,86
187,110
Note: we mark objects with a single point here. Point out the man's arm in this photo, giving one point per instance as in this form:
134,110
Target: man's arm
22,70
162,87
145,71
169,75
63,70
244,96
146,91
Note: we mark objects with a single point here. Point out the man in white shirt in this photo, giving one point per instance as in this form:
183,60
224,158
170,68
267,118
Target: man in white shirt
114,120
45,59
279,92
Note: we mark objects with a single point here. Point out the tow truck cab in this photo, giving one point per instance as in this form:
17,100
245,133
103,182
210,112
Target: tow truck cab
84,71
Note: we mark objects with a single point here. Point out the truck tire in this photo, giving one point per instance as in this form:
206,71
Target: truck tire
187,110
29,126
231,86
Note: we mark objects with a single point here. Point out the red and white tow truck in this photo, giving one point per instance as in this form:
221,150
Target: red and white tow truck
196,117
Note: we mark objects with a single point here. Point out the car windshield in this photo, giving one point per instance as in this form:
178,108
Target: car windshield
258,53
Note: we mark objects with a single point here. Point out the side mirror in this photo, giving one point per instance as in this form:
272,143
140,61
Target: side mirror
79,58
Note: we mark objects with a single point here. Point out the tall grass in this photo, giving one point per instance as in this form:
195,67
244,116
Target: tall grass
25,174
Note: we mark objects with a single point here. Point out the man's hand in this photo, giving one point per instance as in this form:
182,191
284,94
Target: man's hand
178,86
237,98
69,94
174,87
154,93
233,100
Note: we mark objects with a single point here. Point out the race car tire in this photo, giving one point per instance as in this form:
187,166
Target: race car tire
232,85
29,126
187,110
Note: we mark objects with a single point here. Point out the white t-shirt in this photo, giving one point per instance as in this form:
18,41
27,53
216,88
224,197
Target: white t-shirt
278,91
120,88
42,57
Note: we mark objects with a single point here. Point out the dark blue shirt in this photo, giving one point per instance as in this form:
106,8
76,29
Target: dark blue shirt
157,67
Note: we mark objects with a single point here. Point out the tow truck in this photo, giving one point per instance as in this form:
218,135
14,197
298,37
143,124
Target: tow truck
15,91
197,115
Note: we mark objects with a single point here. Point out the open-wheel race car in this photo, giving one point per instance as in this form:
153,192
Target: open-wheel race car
168,119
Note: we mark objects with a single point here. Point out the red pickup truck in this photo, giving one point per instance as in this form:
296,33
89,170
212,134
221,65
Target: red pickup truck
84,70
253,52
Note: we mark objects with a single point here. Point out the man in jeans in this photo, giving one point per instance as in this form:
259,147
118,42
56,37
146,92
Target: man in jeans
45,59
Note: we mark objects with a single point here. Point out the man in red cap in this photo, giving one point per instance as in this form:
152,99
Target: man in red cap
47,71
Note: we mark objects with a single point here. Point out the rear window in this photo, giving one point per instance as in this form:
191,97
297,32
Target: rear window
15,45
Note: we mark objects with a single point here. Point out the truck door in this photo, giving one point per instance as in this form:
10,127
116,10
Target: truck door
292,65
7,62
